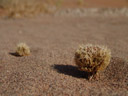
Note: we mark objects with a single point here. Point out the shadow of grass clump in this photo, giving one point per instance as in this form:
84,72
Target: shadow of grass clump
71,71
117,72
14,54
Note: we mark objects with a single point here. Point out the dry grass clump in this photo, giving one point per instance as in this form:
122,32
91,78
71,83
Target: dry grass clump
92,58
22,49
18,8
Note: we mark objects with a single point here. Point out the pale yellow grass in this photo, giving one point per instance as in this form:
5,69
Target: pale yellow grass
18,8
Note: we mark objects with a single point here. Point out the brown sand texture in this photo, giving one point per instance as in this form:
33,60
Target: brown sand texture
50,69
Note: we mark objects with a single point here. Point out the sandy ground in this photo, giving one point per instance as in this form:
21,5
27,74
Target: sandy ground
50,69
94,3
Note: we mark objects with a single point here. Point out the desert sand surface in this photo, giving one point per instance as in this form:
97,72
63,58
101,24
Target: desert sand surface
94,3
50,69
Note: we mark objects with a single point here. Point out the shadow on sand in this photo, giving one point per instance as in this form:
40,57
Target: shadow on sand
70,70
14,54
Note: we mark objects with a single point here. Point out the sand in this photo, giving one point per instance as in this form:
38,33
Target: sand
50,69
94,3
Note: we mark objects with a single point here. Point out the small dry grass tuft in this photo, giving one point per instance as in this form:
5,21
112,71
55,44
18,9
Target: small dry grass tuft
92,58
22,49
19,8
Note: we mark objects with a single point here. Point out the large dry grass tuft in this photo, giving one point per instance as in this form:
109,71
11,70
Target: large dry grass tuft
92,58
